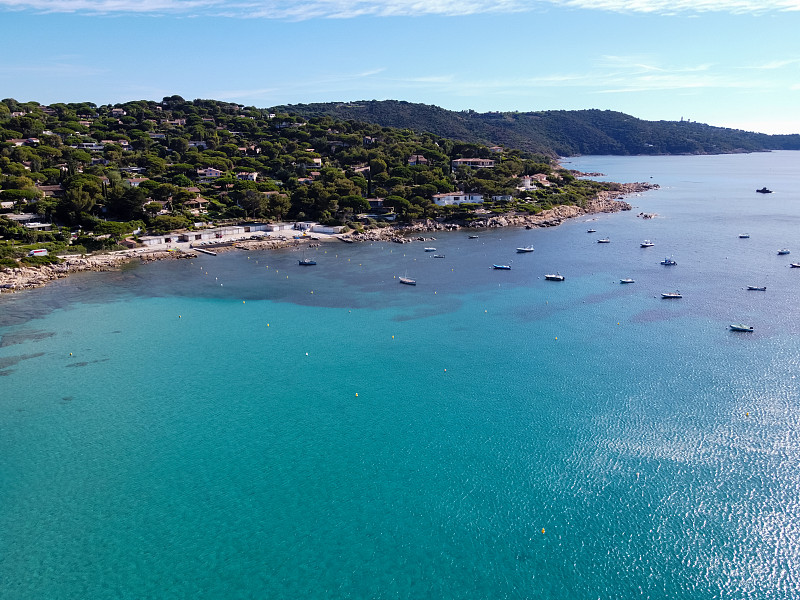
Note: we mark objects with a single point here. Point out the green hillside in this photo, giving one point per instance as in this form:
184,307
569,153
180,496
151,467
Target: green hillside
556,133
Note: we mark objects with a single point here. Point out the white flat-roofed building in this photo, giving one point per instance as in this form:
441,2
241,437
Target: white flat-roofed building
477,163
451,198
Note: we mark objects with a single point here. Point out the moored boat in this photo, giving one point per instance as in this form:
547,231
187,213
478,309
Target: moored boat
430,249
795,265
744,236
740,327
757,288
783,251
591,230
502,267
306,262
438,256
554,277
646,244
473,237
671,295
626,281
604,241
668,262
764,190
525,249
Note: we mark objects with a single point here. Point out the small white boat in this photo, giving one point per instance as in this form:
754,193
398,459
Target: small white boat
438,256
671,295
525,249
554,277
502,267
430,249
757,288
473,237
626,281
408,281
669,262
604,241
795,265
646,244
591,230
307,262
739,327
744,236
783,251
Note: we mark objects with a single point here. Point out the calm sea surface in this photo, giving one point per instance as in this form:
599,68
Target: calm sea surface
241,427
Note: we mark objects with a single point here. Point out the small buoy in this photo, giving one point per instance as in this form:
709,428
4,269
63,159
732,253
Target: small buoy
306,353
356,394
747,414
542,529
556,337
392,337
70,353
267,324
242,301
312,291
445,370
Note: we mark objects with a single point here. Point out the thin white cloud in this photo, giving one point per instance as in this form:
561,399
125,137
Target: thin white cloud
683,6
344,9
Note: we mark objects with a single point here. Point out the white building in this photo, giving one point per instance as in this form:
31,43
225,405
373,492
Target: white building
451,198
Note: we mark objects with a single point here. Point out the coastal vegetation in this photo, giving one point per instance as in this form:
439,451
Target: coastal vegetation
88,177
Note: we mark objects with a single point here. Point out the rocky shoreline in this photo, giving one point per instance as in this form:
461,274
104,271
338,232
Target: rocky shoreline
24,278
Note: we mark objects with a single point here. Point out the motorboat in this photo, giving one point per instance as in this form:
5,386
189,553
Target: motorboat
438,256
554,277
473,237
757,288
407,280
591,230
669,262
795,265
604,241
739,327
430,249
783,251
525,249
764,190
671,295
502,267
626,281
744,236
306,262
646,244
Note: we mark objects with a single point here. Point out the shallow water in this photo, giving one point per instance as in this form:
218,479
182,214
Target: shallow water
212,428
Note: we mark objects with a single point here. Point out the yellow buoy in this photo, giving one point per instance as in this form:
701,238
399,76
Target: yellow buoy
392,337
70,353
267,324
356,394
242,301
542,529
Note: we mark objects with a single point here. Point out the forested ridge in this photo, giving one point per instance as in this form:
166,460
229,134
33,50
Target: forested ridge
556,132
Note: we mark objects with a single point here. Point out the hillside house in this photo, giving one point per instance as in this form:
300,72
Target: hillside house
477,163
450,198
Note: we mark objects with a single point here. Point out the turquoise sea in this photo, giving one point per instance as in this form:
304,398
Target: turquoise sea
241,427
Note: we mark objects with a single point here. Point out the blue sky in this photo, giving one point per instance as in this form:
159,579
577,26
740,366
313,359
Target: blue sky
730,63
